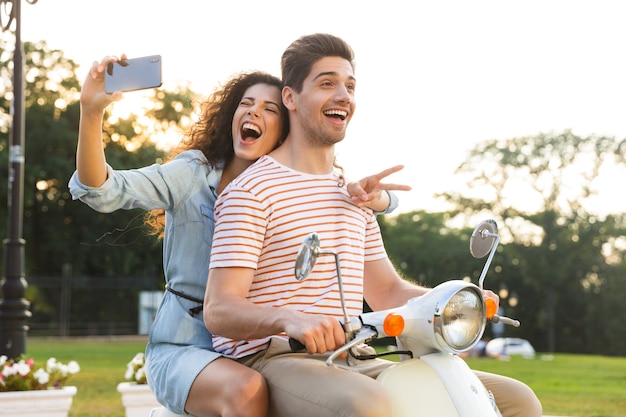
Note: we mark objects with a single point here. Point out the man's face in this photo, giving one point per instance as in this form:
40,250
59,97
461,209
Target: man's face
326,103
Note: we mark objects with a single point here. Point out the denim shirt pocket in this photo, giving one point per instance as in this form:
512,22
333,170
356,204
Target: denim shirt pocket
208,218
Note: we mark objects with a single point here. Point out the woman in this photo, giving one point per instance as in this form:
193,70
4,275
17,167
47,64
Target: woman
240,122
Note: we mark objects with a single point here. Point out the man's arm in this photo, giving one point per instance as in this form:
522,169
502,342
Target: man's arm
228,313
384,288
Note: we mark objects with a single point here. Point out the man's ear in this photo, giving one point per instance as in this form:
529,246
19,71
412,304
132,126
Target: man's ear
289,99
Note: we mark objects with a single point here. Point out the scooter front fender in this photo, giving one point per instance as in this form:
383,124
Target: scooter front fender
438,384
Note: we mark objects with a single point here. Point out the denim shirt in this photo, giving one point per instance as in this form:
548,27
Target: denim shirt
185,188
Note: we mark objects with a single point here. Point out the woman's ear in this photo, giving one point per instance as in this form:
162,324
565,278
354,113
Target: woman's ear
289,98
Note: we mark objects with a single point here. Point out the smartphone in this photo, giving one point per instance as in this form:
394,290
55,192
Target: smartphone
133,74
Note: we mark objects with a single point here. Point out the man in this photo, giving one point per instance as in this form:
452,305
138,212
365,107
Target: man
253,300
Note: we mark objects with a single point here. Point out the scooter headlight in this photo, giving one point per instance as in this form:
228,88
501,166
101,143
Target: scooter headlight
460,322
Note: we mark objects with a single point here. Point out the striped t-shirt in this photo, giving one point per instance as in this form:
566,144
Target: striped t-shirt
263,217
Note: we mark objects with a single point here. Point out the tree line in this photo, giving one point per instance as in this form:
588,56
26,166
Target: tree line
564,262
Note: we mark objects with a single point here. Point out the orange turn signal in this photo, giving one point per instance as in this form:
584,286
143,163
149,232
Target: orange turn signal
393,324
491,308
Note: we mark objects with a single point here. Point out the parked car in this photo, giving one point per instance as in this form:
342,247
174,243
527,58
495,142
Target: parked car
509,346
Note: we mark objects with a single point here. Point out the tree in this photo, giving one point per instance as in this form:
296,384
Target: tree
426,250
539,188
59,232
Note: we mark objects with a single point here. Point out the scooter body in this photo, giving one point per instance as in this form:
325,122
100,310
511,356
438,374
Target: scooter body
437,384
430,379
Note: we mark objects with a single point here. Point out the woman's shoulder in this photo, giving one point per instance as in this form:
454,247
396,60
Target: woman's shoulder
190,166
191,155
190,162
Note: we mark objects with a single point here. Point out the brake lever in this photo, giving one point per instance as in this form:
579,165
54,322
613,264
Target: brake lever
362,336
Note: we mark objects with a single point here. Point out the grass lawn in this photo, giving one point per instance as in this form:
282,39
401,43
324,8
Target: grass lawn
102,366
567,385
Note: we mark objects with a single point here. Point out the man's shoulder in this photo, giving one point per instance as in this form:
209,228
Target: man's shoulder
258,166
265,170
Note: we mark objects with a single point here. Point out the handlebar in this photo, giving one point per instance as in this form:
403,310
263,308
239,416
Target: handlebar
361,336
296,345
505,320
349,327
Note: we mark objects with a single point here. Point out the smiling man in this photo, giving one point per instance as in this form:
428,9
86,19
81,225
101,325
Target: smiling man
253,300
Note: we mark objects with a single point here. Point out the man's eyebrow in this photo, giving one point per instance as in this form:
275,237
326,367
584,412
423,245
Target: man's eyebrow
332,74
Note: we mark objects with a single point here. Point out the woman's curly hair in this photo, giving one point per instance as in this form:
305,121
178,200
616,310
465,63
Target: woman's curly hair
212,133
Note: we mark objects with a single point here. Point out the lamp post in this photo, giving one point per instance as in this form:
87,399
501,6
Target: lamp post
14,309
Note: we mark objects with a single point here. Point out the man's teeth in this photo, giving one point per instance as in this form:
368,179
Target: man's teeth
339,113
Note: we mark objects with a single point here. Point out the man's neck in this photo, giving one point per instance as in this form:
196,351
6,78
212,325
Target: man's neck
304,157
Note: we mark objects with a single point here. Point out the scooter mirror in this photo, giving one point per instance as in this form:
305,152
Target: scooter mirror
483,238
307,256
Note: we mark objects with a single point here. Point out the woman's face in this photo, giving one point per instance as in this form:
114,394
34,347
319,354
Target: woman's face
257,123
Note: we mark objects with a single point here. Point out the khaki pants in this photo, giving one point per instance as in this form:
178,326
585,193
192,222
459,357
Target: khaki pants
513,398
303,385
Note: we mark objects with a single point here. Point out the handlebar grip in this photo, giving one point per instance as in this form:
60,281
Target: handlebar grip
505,320
296,345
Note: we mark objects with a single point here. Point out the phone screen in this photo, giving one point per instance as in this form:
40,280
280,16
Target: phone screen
133,74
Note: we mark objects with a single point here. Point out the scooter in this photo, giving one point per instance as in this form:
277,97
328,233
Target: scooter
431,331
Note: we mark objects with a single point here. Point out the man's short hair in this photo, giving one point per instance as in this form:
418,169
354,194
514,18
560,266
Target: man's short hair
304,52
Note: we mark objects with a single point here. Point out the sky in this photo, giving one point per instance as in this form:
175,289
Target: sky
434,78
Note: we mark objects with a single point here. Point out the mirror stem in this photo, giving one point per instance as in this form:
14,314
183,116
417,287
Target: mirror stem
347,325
486,233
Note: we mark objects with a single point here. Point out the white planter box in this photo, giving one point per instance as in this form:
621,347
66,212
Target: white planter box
138,399
54,402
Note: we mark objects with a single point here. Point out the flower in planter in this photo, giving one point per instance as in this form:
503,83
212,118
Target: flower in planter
22,374
135,370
